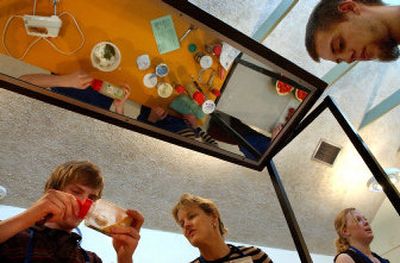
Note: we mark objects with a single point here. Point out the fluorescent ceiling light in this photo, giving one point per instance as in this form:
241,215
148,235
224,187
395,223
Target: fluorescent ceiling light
392,173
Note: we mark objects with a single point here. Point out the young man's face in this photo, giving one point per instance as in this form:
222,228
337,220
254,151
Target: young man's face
358,38
81,192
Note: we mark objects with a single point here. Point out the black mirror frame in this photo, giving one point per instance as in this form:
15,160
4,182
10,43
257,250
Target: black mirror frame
376,169
288,71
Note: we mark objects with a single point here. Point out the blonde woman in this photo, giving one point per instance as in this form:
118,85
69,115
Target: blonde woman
202,226
354,237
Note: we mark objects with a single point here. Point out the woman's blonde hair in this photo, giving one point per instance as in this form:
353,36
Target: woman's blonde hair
82,172
207,205
340,223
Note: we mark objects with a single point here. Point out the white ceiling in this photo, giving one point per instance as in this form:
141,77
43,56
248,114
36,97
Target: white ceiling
36,137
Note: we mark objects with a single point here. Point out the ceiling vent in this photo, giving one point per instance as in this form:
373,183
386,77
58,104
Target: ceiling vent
326,152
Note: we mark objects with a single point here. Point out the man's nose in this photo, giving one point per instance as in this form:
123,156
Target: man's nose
186,224
82,197
350,56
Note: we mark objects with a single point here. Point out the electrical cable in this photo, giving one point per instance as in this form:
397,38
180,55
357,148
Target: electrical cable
80,32
55,7
34,7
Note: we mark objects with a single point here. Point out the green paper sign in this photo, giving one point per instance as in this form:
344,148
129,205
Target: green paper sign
165,34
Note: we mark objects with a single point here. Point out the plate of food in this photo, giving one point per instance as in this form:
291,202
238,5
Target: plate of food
105,56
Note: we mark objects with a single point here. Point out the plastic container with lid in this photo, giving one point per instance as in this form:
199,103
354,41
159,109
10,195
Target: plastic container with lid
179,88
164,89
102,215
214,49
195,93
150,80
204,60
108,89
143,62
208,107
162,70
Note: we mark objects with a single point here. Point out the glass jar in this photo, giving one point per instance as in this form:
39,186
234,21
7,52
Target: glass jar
204,60
108,89
195,93
102,215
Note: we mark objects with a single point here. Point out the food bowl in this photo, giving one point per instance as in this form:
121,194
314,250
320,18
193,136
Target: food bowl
150,80
164,89
162,70
105,56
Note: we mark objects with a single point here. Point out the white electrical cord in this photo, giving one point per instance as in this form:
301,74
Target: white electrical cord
34,7
54,4
67,53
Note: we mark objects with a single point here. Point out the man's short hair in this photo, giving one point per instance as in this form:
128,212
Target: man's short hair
82,172
325,15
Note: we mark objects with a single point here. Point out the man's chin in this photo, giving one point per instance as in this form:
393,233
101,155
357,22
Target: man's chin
389,52
388,59
69,226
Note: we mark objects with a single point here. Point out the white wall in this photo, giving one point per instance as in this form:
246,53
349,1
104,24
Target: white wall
386,227
159,246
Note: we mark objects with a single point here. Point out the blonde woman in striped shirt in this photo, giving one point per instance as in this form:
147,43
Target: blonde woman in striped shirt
202,225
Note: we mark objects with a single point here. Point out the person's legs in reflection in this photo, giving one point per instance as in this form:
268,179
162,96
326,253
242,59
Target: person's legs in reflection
185,126
257,140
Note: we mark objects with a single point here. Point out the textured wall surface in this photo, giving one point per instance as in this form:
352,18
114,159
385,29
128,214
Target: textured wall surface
150,175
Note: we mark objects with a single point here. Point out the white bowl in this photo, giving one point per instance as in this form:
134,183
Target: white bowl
102,63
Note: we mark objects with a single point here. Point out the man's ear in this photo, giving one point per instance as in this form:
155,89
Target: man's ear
349,6
214,219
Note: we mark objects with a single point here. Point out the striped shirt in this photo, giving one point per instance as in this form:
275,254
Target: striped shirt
237,253
198,134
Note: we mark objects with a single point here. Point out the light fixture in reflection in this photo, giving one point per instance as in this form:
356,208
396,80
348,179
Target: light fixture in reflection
393,174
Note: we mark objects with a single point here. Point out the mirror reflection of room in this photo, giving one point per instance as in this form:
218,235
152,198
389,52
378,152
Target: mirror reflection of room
36,140
343,189
171,74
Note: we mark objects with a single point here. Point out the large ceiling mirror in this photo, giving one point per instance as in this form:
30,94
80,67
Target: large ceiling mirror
187,77
349,177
